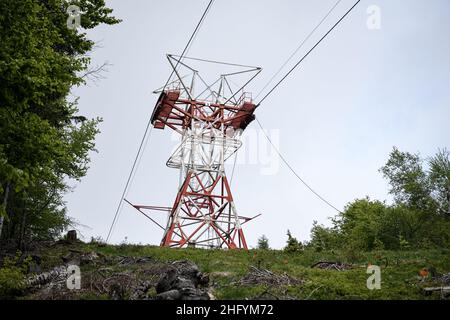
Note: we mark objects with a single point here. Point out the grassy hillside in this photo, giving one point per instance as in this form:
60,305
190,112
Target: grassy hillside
228,271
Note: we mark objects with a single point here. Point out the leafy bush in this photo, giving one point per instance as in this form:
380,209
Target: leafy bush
418,218
263,243
323,238
293,245
12,277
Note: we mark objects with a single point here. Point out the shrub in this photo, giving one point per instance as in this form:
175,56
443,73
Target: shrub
263,243
12,277
323,238
292,244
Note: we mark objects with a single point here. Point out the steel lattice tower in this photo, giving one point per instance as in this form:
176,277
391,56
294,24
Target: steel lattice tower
210,119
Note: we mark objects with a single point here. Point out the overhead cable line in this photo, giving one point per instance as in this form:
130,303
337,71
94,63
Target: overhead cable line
298,48
284,77
234,166
130,178
307,54
191,39
133,171
293,171
136,159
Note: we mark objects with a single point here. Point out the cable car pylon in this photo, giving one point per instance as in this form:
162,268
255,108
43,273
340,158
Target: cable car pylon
210,118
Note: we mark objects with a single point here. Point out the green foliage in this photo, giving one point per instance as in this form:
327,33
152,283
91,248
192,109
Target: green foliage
292,244
44,142
323,238
404,244
263,243
378,245
360,223
409,183
421,190
439,175
12,277
417,218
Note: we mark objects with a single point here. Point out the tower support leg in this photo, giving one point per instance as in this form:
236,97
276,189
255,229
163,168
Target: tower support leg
204,214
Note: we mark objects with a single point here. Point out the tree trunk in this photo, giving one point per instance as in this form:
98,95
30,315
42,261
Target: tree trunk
22,229
5,202
448,201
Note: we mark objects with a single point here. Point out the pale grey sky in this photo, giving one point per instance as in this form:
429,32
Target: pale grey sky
360,93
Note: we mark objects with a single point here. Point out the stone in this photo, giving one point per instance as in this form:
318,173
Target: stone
181,282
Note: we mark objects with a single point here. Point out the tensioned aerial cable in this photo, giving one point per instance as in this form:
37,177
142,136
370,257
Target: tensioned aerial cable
278,83
293,171
298,48
287,61
234,166
136,159
307,54
191,39
133,172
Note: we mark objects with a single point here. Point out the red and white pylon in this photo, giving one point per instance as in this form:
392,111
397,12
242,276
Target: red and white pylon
210,121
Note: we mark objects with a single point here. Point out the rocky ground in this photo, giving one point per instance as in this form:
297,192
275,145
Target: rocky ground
122,277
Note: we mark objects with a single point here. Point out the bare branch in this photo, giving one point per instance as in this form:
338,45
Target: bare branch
96,73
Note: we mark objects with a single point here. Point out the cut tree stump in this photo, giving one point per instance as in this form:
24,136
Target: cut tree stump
72,235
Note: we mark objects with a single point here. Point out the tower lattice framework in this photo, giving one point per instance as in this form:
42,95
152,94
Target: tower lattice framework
210,118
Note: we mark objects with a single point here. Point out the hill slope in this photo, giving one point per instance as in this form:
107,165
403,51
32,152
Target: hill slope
133,271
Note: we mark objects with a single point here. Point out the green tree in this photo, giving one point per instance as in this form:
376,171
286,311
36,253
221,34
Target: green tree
323,238
410,184
292,244
419,216
439,175
421,196
44,141
360,223
263,243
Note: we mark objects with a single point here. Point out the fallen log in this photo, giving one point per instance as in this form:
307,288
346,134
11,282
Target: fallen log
443,290
331,265
59,273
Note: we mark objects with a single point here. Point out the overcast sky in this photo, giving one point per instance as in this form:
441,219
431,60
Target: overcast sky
335,119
